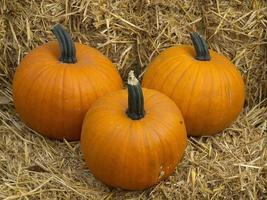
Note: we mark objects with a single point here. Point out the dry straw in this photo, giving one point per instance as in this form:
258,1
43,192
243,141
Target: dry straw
230,165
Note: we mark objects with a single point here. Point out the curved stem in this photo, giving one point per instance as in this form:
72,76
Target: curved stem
201,47
67,46
135,109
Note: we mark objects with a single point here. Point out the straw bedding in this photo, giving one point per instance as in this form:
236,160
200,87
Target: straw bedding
230,165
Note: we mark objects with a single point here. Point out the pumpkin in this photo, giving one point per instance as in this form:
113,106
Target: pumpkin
204,84
56,83
133,144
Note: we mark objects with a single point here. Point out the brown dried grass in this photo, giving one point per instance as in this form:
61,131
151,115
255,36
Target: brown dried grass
230,165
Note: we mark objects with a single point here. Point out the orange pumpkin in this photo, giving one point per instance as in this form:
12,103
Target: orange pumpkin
56,83
136,143
205,85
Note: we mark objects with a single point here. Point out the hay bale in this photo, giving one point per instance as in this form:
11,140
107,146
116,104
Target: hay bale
230,165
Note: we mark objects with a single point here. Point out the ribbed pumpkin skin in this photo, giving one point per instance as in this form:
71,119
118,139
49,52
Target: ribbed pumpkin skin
133,154
210,94
52,97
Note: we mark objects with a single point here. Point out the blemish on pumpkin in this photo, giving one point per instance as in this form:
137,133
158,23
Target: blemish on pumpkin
181,122
161,172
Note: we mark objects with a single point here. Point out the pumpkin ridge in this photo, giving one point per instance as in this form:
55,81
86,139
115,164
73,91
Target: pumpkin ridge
25,75
141,151
180,78
228,88
100,138
42,102
60,102
194,83
171,72
210,104
151,137
149,97
221,118
79,95
63,97
184,69
89,97
33,83
28,99
94,136
158,71
124,155
97,138
228,94
207,114
90,83
219,81
228,85
52,114
154,132
165,144
236,75
147,155
160,121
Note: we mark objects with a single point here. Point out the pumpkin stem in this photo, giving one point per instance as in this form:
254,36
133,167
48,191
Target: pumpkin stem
201,47
135,109
67,46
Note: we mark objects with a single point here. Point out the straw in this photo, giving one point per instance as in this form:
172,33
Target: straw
230,165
